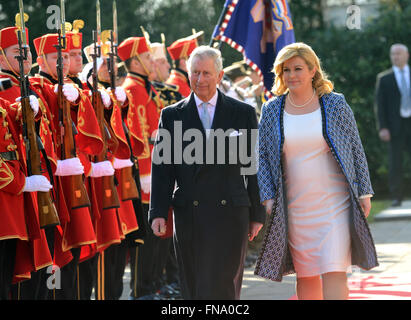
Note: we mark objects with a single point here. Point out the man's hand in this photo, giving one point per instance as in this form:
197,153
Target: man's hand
385,135
159,226
145,183
120,94
101,169
365,204
69,91
105,97
37,183
255,228
69,167
34,103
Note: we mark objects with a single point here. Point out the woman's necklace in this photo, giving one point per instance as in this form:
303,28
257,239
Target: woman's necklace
302,105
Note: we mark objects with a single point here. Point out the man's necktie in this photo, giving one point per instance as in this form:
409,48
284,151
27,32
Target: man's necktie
205,116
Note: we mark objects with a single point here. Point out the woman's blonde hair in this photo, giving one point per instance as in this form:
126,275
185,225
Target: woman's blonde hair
299,49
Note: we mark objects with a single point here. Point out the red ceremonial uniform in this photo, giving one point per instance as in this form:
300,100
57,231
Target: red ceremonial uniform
181,49
109,223
77,225
142,120
33,254
143,110
12,179
126,212
105,223
179,78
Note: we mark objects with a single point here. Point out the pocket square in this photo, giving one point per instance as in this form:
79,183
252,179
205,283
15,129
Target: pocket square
235,134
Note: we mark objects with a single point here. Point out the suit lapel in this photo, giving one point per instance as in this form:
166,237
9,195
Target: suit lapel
191,120
220,121
192,117
220,114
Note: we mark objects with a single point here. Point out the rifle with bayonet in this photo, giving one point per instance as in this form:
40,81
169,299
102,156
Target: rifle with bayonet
110,195
47,211
128,184
77,196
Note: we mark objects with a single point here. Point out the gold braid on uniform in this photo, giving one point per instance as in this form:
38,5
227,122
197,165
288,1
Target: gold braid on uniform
168,93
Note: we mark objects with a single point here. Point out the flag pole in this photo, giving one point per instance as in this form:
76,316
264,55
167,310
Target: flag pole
219,23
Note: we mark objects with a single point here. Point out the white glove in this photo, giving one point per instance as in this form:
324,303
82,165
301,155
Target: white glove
122,163
120,94
69,167
69,91
34,103
37,183
146,184
105,98
101,169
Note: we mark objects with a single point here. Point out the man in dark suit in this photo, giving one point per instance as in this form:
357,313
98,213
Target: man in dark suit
393,110
214,196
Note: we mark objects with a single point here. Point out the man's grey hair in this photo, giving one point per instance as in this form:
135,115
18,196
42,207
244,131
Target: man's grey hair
202,52
399,45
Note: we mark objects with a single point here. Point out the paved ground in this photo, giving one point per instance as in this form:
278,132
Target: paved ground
390,280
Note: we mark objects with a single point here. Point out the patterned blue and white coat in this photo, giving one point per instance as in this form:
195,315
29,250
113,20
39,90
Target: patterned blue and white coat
341,134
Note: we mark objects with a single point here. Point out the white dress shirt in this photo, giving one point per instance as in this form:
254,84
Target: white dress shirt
210,107
397,74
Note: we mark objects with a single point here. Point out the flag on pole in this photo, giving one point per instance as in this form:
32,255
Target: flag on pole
258,29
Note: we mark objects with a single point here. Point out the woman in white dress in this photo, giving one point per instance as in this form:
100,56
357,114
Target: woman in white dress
317,192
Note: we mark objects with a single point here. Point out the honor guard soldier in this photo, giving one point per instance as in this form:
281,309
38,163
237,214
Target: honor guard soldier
169,93
235,77
77,228
142,121
84,267
32,256
111,224
112,261
179,52
20,222
167,284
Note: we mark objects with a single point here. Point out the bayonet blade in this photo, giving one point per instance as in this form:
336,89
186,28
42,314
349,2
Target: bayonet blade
115,34
98,21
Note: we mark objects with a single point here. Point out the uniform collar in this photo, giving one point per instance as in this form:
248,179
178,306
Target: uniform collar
142,80
48,77
14,79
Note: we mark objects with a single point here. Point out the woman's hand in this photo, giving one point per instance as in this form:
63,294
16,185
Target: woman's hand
365,204
268,204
